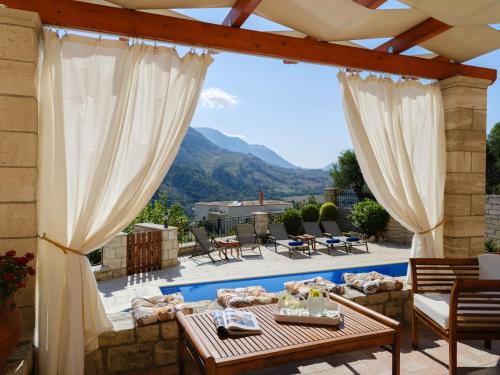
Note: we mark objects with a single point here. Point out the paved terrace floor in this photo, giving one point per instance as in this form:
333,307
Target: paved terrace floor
117,293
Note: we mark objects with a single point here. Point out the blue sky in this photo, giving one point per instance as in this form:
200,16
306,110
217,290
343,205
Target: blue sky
296,110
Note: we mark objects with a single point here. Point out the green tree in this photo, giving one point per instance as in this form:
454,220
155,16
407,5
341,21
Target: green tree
370,218
493,160
310,212
293,221
346,174
328,212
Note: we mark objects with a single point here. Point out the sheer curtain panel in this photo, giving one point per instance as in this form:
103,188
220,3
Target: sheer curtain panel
111,121
397,130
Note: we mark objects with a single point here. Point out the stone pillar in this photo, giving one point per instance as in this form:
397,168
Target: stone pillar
331,195
464,101
261,222
169,245
19,32
114,256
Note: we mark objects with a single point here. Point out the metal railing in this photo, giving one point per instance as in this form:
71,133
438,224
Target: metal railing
221,227
346,198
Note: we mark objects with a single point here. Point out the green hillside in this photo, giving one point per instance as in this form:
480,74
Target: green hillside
204,172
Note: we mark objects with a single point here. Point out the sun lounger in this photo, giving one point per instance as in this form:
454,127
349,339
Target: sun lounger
245,234
205,244
331,229
280,237
313,229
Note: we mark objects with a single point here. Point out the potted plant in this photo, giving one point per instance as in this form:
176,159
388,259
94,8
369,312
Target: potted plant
14,272
370,218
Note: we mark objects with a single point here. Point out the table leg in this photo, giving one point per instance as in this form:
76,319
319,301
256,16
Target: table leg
395,356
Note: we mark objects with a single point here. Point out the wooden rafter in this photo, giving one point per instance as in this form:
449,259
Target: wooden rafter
240,11
126,22
417,34
372,4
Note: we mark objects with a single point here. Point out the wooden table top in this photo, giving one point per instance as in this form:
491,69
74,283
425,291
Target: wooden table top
306,237
230,243
286,338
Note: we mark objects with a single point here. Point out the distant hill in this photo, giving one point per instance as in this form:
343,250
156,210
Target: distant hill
238,145
203,171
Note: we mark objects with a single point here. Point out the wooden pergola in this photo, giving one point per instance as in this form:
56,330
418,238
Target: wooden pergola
230,37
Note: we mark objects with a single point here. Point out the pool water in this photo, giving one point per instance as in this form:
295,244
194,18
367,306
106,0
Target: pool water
207,290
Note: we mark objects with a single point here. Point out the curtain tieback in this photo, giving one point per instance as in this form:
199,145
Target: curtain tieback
59,245
442,222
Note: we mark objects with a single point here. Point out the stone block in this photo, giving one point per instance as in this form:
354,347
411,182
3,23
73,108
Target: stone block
121,252
465,226
457,205
117,337
148,333
458,118
377,308
18,149
458,161
108,253
17,220
131,357
18,184
464,97
477,205
25,297
376,298
18,78
166,353
478,164
17,17
456,247
465,183
393,308
28,317
476,246
479,120
396,295
169,330
18,43
18,114
94,363
465,140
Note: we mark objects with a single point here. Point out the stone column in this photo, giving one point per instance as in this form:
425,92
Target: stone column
331,195
114,256
464,101
261,222
19,32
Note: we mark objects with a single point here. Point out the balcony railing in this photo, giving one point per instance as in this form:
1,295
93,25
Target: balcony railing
221,227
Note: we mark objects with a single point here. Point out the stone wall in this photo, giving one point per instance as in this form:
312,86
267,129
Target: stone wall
19,32
493,217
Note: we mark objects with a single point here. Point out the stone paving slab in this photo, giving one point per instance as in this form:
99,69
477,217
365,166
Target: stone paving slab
117,293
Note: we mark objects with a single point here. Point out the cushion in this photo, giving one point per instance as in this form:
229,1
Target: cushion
302,287
372,282
352,239
333,240
243,297
158,308
296,243
435,306
489,267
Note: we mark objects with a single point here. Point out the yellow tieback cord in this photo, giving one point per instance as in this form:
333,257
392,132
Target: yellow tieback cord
442,222
58,245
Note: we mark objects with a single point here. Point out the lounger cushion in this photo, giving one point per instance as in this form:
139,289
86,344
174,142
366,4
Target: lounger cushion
295,243
333,240
243,297
158,308
489,267
352,239
435,306
302,287
372,282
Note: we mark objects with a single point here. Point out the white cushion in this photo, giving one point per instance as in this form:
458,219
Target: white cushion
435,306
489,267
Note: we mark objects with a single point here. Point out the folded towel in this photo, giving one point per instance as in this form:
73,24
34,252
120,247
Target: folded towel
295,243
352,239
333,240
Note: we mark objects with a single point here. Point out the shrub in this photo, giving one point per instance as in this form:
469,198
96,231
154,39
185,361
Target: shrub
310,212
328,212
293,221
490,246
370,218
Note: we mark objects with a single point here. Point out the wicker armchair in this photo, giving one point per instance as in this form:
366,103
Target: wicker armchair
457,300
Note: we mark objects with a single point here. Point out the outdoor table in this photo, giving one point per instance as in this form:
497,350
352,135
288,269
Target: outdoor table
279,343
309,239
230,244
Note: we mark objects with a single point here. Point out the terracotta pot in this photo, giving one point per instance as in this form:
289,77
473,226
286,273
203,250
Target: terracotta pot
10,332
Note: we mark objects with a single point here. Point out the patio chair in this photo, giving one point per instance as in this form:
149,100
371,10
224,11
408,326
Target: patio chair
457,299
312,228
245,234
205,244
331,229
280,237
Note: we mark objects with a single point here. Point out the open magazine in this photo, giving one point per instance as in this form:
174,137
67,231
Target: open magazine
235,322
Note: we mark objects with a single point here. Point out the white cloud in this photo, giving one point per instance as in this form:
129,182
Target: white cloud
215,97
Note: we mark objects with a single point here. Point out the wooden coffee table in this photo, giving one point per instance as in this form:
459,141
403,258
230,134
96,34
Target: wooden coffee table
280,343
231,244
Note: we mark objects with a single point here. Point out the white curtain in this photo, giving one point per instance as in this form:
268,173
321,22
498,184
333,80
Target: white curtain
112,118
397,130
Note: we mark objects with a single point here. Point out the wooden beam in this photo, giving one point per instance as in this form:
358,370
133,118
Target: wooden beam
417,34
131,23
372,4
241,10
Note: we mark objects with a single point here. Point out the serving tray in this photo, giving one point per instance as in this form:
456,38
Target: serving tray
332,317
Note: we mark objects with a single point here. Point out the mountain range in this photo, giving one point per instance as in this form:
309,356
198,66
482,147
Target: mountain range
203,171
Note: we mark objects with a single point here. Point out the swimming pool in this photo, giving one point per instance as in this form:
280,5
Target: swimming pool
207,290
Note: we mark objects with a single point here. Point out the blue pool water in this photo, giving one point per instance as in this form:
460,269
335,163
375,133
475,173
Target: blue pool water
205,291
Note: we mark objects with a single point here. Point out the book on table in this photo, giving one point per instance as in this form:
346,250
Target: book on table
234,322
